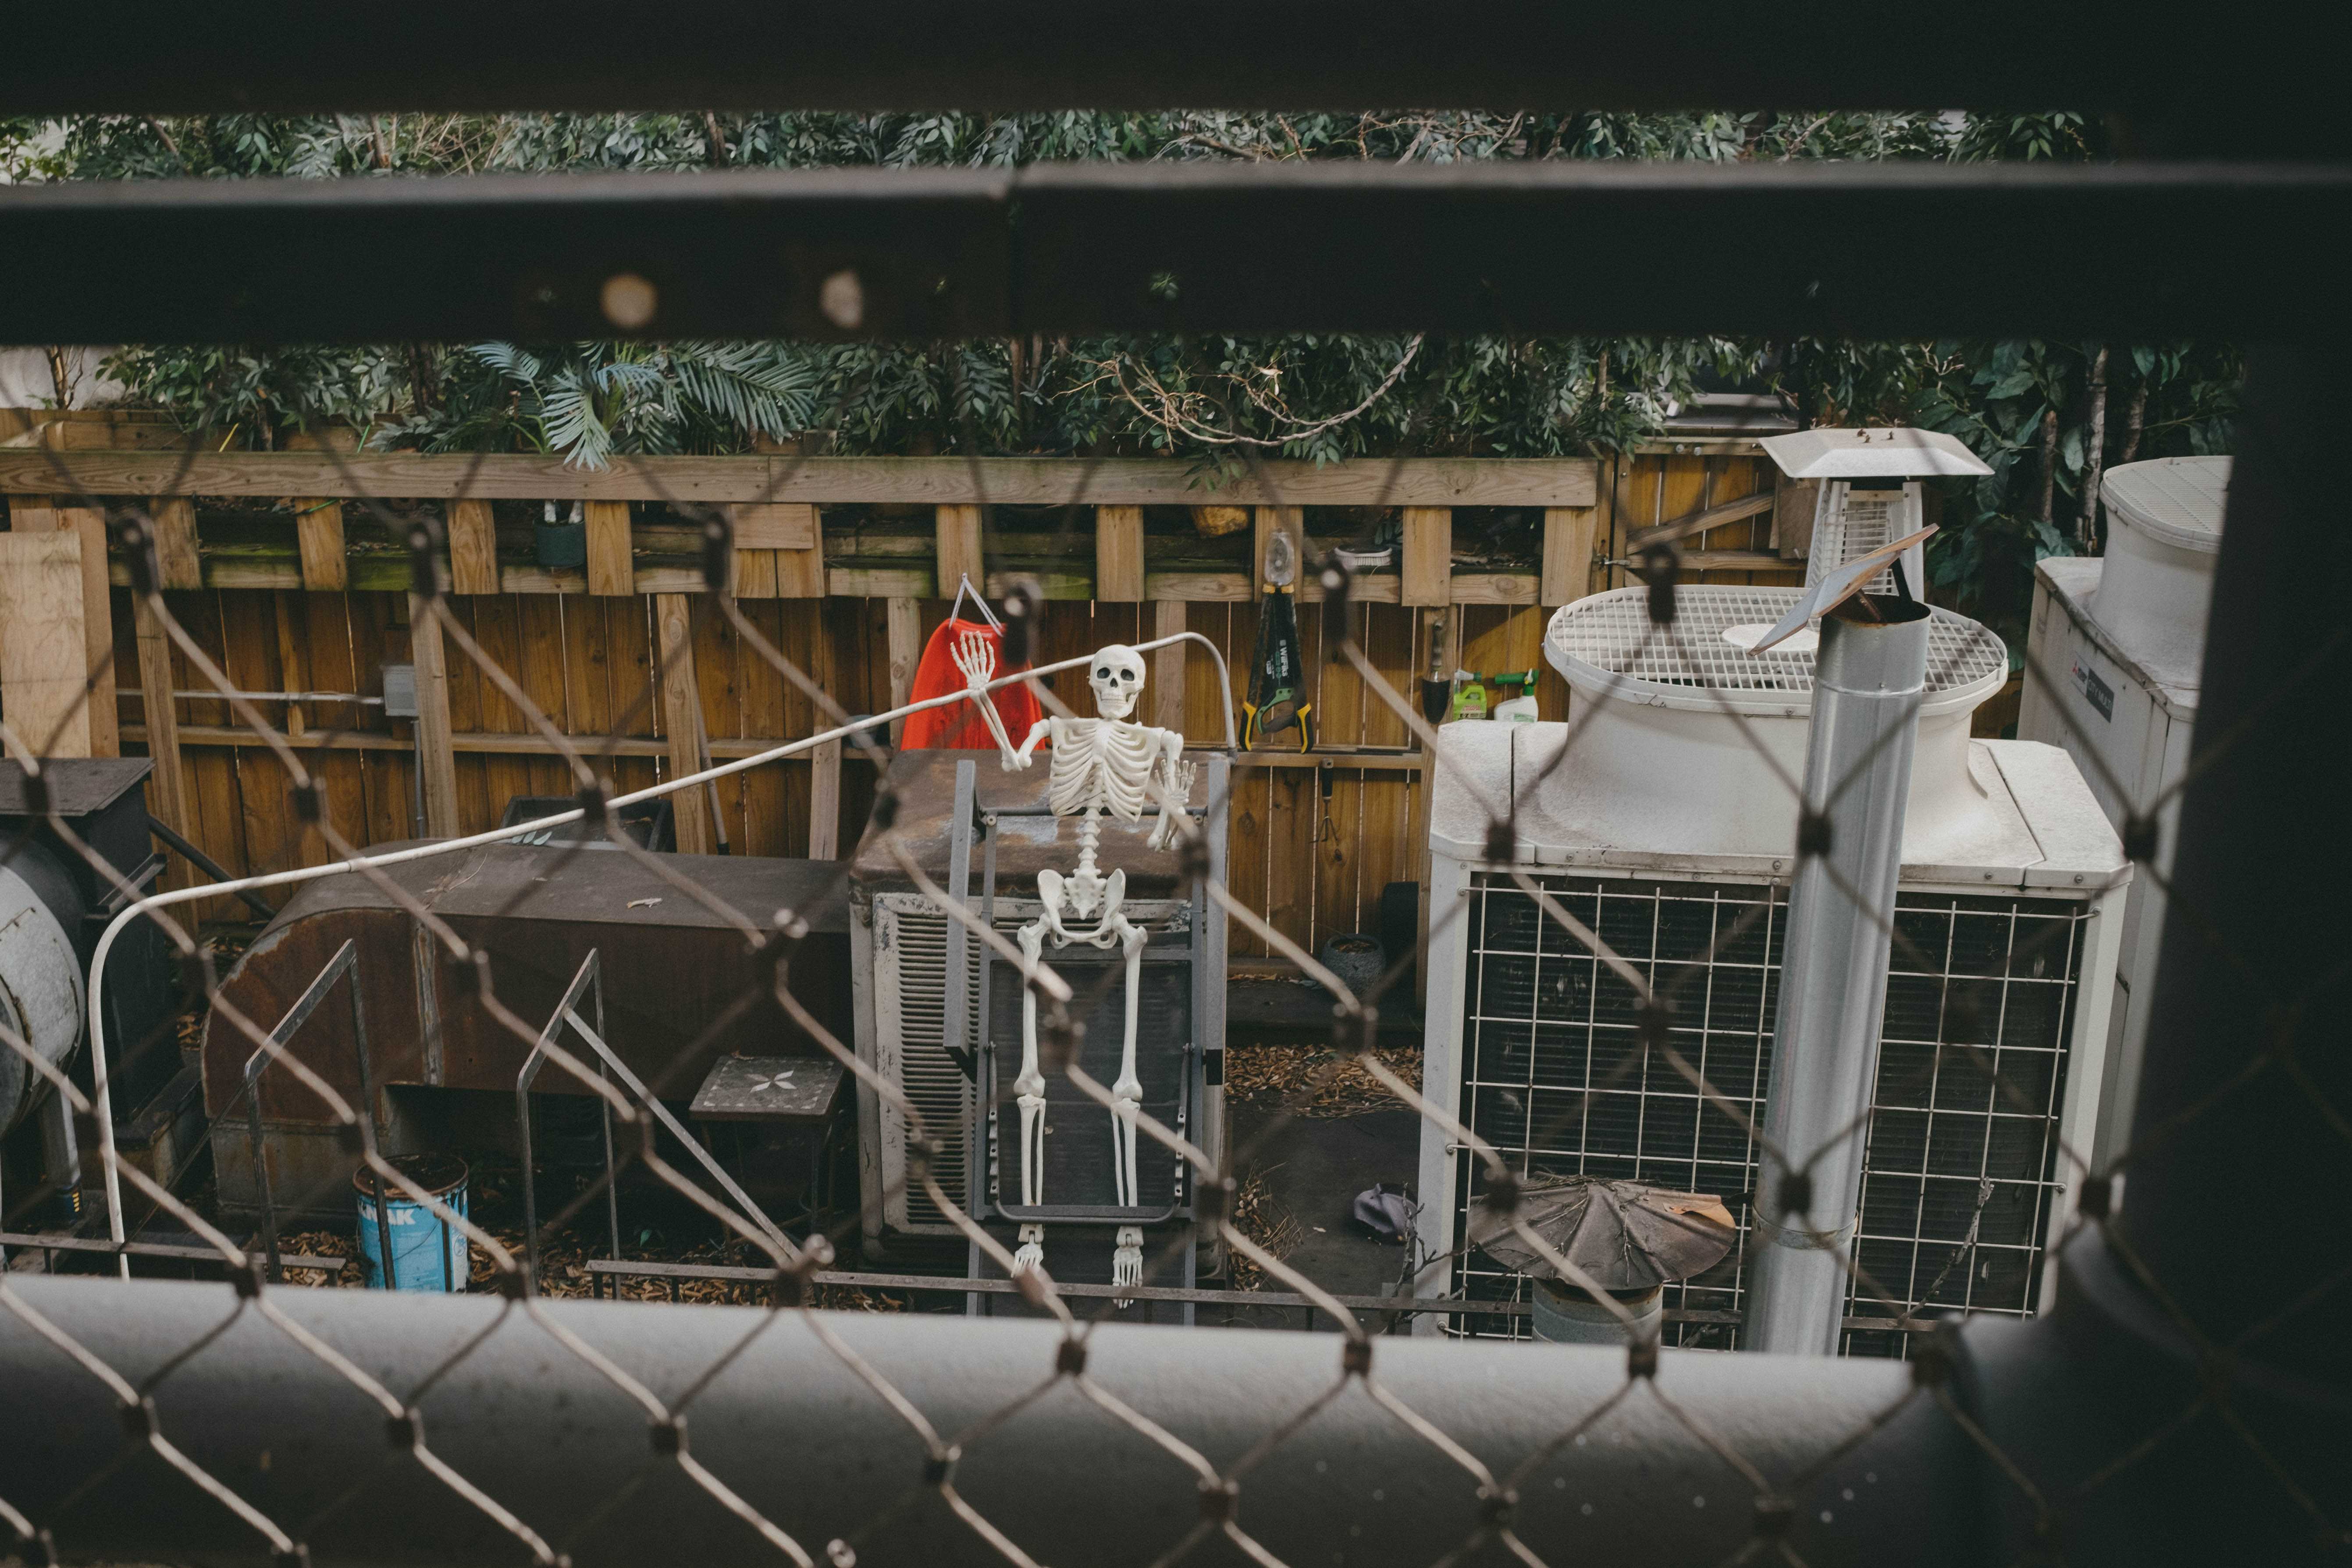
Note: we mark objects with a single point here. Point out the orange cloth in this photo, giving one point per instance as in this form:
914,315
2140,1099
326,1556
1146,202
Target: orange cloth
958,726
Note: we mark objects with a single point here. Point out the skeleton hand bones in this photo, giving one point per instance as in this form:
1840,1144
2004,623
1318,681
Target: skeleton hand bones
975,656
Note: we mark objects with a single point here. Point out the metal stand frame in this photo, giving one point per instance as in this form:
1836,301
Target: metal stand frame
345,962
1204,1053
588,981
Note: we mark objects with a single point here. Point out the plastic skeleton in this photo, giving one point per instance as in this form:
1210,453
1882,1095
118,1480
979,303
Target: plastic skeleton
1103,765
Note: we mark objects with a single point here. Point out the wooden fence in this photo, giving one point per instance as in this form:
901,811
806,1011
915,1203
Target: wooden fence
286,570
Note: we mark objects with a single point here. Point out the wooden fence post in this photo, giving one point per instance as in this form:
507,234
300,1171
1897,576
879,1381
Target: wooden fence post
906,645
682,718
612,572
1428,556
1290,520
42,654
437,762
1119,554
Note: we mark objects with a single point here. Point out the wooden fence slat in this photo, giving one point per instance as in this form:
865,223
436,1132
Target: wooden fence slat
167,787
799,573
43,655
434,756
1168,619
1428,555
473,548
176,558
1119,552
682,719
959,549
319,539
906,648
773,525
610,563
1567,553
88,524
755,573
824,761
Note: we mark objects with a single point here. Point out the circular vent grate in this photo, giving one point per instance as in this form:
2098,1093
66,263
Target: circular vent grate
1607,644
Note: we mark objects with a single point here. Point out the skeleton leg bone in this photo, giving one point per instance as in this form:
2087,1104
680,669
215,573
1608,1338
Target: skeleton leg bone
1128,1092
1029,1095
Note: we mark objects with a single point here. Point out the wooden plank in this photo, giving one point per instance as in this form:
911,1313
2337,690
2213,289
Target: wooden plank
1568,533
283,615
1167,666
1495,588
938,481
88,525
825,782
473,547
610,563
959,554
434,757
1119,552
1428,555
1700,521
167,786
318,538
682,719
43,655
176,558
800,575
772,525
906,648
755,573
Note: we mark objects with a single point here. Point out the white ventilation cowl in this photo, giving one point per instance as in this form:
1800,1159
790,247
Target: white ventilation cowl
1684,739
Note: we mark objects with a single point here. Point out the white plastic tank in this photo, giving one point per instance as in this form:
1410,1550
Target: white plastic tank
2165,529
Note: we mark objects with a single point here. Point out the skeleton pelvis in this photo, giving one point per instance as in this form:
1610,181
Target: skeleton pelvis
1083,896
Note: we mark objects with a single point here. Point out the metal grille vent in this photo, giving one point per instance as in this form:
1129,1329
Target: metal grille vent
1608,640
910,966
1959,1176
1852,525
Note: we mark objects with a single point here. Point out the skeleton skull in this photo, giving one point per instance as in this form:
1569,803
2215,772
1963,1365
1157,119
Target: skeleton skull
1117,678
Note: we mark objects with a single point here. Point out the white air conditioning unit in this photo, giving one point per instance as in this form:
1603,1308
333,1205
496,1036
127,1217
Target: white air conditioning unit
1665,828
2123,640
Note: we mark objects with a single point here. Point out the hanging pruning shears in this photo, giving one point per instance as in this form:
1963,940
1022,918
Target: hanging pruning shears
1277,694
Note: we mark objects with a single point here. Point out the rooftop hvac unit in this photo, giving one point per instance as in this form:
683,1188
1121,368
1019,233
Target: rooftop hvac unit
2122,641
1665,828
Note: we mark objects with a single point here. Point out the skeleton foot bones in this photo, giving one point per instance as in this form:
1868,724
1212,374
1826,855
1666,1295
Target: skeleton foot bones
1106,765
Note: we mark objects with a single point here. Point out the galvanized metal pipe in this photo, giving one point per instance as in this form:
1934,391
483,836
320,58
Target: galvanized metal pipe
792,1429
1867,683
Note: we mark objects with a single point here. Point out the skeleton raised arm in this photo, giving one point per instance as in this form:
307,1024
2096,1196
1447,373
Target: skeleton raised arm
976,657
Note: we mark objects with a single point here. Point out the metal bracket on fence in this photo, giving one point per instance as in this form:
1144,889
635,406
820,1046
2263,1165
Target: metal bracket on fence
609,1065
345,962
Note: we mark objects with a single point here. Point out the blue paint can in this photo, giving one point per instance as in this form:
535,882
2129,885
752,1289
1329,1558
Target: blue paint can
428,1252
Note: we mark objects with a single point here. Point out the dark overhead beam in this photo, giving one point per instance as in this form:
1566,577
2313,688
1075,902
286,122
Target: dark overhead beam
1862,250
168,57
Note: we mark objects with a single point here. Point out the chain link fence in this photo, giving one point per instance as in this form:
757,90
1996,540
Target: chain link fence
1717,1474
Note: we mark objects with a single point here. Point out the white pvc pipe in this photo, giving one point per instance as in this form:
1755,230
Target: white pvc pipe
104,1107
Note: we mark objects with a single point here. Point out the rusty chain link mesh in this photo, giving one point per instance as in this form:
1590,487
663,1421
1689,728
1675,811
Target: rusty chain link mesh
1487,1491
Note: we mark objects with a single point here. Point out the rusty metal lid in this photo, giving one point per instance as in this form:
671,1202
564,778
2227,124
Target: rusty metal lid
1628,1235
